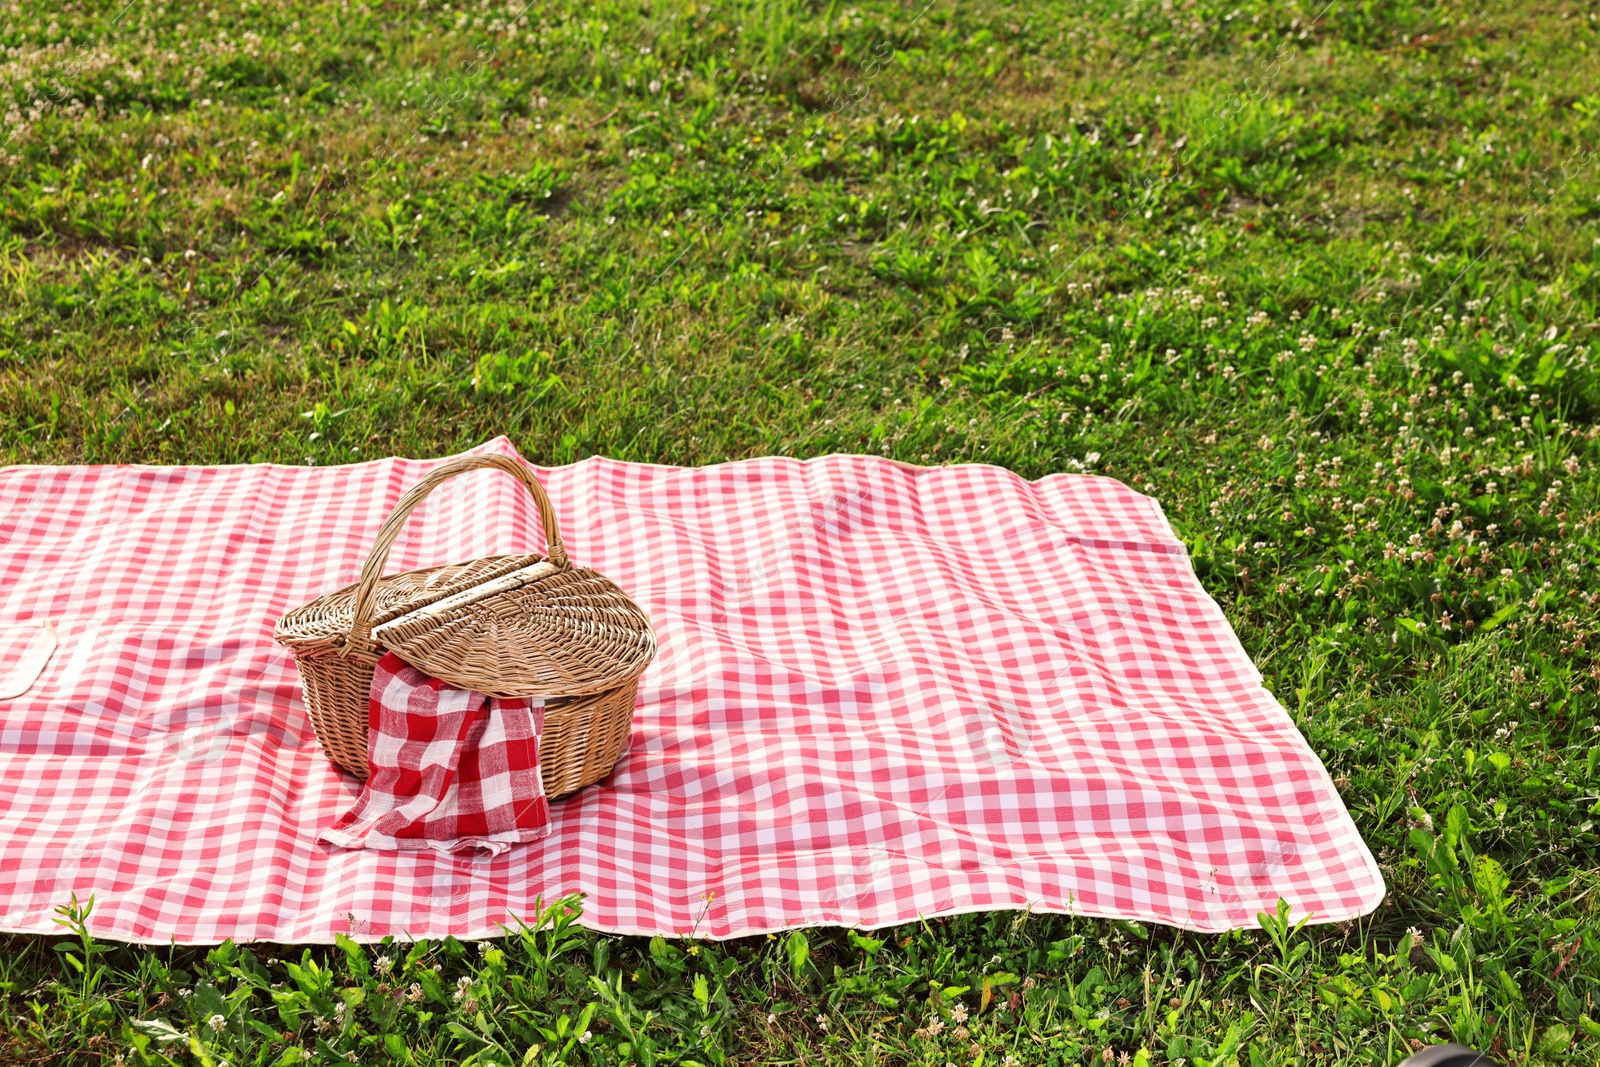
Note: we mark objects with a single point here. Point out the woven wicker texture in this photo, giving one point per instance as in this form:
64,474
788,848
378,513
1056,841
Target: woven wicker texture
570,636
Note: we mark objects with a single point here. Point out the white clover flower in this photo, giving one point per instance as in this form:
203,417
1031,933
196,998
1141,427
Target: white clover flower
217,1022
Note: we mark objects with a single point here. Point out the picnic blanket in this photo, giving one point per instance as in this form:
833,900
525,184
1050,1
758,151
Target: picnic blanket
883,692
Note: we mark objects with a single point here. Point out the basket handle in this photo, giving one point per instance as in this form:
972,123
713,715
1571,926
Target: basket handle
367,588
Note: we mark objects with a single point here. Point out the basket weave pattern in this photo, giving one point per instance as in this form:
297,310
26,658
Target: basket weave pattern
569,636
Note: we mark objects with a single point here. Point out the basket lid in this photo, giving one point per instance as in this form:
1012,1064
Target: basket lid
557,632
507,626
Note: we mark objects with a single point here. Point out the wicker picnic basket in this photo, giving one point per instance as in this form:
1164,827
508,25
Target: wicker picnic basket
509,626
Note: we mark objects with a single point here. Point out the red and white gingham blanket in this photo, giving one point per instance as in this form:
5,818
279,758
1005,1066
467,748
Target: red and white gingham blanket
450,769
882,692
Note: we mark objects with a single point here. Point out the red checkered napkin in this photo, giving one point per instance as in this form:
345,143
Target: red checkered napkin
450,769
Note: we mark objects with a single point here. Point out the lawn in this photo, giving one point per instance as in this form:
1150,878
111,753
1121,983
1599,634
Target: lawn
1322,279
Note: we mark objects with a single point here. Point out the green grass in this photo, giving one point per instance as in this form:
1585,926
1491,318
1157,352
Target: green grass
1321,279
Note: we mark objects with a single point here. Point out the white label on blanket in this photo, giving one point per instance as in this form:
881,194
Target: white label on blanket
514,580
24,650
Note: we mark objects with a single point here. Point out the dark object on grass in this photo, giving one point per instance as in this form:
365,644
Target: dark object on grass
1449,1056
